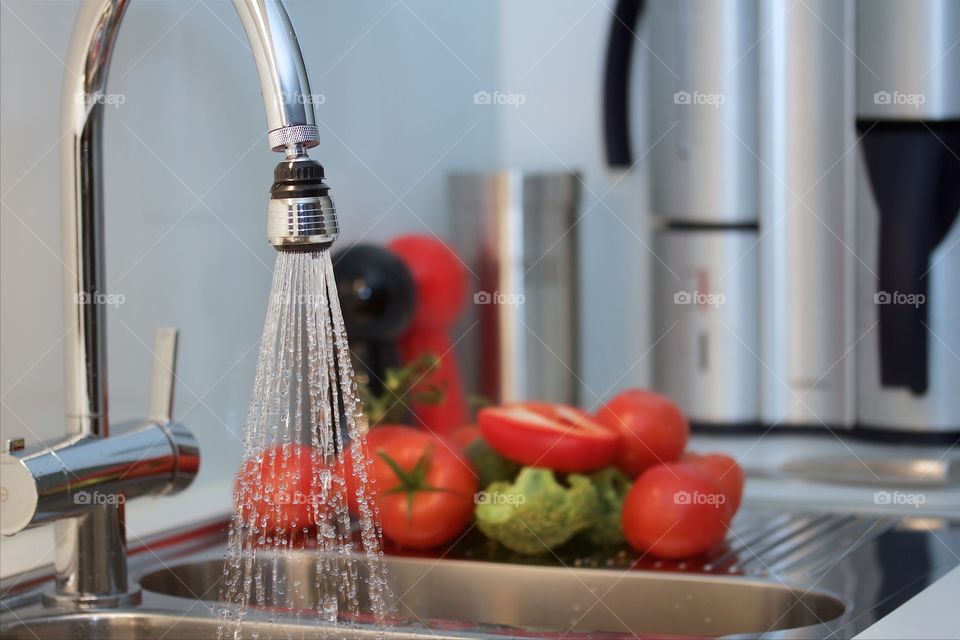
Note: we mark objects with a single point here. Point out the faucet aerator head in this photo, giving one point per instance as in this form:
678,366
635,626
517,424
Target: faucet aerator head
301,214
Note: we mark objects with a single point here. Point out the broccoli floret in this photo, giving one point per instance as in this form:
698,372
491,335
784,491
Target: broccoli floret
490,466
612,486
536,513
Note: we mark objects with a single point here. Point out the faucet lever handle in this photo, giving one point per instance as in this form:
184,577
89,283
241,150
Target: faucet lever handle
163,375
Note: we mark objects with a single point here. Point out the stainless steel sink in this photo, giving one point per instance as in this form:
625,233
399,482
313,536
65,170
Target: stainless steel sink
780,576
558,599
166,626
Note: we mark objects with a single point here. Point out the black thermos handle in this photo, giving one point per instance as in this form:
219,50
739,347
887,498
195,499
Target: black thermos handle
616,83
915,178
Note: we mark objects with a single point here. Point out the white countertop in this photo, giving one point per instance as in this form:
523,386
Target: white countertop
931,614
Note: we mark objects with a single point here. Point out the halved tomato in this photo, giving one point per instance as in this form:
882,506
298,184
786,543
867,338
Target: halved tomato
553,436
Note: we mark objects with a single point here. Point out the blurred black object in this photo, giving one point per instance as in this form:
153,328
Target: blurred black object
378,298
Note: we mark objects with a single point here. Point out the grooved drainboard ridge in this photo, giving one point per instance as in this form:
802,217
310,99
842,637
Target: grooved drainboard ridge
761,542
772,544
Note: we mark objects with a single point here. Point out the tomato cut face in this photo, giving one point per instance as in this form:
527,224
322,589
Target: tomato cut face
553,436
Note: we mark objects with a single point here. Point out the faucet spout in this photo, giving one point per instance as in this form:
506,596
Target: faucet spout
158,455
291,123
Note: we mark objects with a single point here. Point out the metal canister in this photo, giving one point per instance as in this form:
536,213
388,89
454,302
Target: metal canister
517,233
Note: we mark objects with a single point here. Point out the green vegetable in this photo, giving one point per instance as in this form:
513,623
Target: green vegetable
412,383
612,486
490,465
536,513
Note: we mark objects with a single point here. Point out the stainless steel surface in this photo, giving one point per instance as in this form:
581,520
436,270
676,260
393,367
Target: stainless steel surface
807,285
909,59
287,99
159,455
288,102
163,376
861,471
706,312
132,625
301,221
517,232
781,575
48,482
553,598
703,103
910,73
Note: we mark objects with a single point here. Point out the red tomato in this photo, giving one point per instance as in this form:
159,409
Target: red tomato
553,436
278,484
464,435
652,427
424,490
725,472
674,511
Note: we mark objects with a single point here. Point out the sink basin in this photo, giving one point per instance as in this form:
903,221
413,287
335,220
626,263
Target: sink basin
159,626
552,599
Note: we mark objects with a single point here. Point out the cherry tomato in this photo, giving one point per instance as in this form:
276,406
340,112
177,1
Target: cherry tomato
278,485
725,472
652,427
423,487
553,436
674,511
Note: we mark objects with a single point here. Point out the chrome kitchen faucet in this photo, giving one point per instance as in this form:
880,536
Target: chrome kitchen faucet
81,482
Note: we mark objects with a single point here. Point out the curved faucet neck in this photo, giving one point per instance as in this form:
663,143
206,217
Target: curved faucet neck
90,562
287,102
